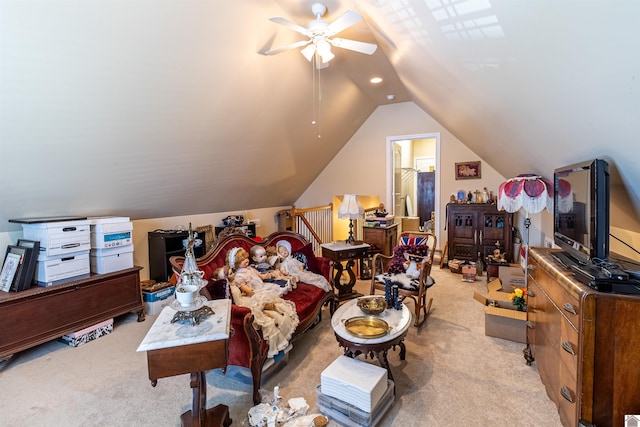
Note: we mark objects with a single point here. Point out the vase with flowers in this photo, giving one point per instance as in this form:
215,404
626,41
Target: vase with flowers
517,299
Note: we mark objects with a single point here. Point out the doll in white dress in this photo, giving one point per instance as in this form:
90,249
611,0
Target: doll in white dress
291,266
276,317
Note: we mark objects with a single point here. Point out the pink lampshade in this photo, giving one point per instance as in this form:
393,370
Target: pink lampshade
531,192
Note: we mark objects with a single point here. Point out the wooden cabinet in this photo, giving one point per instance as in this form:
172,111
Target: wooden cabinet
477,227
41,314
586,345
163,244
382,239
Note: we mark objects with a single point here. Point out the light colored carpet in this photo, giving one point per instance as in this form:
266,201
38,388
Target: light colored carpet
453,375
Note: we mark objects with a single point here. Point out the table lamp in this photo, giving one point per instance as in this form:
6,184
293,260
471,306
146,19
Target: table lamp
350,209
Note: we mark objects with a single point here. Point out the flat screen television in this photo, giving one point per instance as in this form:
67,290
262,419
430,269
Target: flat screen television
581,210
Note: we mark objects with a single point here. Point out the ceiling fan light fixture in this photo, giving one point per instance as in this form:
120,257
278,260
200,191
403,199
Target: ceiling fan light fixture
308,52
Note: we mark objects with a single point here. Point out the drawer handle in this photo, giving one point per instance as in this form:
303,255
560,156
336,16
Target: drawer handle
531,293
566,346
531,324
566,393
570,308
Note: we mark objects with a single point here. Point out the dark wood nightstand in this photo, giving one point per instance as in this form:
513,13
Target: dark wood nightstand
340,252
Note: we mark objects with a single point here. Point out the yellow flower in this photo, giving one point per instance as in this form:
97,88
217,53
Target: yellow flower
518,292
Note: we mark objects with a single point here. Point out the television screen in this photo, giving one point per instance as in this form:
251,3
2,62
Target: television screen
581,210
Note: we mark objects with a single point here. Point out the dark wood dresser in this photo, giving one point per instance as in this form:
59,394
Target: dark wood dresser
585,343
476,227
42,314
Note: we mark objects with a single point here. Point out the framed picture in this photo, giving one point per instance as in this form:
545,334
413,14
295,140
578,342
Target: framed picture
30,262
8,273
468,170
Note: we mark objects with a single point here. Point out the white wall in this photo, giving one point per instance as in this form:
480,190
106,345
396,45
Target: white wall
360,167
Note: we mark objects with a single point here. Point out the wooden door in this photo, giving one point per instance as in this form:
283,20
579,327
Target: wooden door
426,195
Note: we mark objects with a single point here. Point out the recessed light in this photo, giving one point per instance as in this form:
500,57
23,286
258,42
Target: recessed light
391,97
376,80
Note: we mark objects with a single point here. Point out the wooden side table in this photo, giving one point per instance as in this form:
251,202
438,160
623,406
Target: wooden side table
339,252
171,352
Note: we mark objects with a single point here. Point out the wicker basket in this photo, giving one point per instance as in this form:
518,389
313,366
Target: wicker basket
455,265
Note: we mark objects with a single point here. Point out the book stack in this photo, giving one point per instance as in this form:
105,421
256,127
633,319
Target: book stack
354,392
379,221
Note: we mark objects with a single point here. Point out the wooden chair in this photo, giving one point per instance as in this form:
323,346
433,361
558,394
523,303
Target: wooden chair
381,264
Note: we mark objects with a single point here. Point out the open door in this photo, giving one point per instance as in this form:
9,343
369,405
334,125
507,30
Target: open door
398,200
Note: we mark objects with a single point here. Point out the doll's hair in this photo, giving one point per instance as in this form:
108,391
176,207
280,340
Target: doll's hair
235,256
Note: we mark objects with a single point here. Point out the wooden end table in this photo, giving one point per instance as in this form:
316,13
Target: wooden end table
180,348
398,320
339,252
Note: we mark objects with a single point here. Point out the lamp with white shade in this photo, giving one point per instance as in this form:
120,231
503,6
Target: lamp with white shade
350,209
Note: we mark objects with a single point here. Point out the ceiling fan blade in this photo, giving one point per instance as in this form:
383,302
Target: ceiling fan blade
362,47
288,47
344,21
295,27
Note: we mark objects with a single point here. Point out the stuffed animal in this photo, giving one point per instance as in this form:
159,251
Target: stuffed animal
413,265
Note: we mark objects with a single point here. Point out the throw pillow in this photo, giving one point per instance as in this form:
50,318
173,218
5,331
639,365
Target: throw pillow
398,260
413,240
403,281
217,288
312,262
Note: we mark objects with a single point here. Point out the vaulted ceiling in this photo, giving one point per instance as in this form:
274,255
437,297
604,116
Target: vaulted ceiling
176,94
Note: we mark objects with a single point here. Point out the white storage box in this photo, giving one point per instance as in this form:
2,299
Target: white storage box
113,259
88,334
353,381
110,232
53,270
350,416
59,238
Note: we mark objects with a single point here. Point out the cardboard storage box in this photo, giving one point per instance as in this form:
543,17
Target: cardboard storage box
112,259
88,334
501,317
350,416
59,238
511,277
354,381
53,270
468,273
155,301
110,232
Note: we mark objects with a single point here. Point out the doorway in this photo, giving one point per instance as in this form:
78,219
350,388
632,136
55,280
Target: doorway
413,176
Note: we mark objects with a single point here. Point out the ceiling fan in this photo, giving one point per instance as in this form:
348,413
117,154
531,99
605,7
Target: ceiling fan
320,33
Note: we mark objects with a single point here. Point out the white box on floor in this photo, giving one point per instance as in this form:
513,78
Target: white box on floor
112,259
110,232
88,334
350,416
59,238
53,270
353,381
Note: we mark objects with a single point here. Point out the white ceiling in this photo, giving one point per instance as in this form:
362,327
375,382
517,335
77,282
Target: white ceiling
177,97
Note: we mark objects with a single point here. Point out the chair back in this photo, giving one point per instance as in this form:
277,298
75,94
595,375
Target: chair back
431,242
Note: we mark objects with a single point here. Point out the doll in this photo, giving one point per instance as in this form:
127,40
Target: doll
290,265
247,279
276,317
260,263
